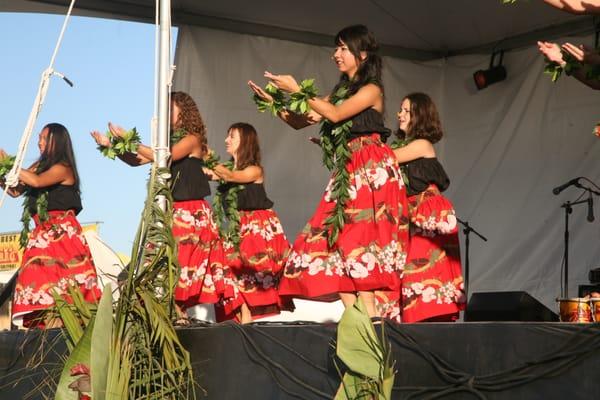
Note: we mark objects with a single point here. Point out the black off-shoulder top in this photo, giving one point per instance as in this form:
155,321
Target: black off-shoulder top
189,182
367,122
424,171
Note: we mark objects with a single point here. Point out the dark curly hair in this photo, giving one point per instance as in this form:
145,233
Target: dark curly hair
358,38
248,152
190,119
424,119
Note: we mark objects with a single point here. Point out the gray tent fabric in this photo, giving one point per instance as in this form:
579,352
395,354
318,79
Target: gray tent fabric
422,30
504,149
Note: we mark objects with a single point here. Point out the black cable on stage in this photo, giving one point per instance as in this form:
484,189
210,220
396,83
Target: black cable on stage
578,346
267,362
291,350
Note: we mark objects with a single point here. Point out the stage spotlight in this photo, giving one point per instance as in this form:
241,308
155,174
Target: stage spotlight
496,73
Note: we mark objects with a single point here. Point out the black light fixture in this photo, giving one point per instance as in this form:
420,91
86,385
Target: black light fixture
496,73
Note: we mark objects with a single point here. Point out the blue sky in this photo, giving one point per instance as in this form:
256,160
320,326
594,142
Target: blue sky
111,64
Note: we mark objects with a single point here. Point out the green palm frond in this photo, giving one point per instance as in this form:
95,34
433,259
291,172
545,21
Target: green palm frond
131,347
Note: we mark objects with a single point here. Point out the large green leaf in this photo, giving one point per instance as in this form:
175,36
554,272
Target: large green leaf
70,321
101,344
356,387
357,343
79,355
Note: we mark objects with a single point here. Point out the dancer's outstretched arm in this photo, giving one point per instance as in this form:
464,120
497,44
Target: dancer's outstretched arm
294,120
249,174
368,96
56,174
553,53
576,6
418,148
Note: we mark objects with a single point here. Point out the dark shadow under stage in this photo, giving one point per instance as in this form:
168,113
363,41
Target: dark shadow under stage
493,360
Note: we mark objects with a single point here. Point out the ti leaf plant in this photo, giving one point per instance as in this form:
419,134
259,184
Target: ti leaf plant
367,355
130,350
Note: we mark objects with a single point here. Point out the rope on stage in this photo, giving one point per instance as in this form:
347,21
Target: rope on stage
580,345
12,178
273,367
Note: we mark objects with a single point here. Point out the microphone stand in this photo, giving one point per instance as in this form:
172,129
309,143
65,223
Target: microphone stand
568,206
467,230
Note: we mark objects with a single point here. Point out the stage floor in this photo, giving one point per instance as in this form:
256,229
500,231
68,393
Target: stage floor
487,360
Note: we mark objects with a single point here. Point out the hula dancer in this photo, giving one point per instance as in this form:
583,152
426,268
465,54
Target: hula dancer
201,278
432,286
355,243
56,255
255,244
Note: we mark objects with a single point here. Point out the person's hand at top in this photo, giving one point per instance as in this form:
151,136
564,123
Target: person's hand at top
552,52
101,139
3,154
287,83
260,92
582,53
116,130
578,7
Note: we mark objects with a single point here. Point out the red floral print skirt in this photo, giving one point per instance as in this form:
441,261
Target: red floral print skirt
201,278
56,257
371,248
432,284
256,267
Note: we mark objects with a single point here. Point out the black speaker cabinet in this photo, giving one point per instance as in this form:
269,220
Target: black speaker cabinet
507,306
586,290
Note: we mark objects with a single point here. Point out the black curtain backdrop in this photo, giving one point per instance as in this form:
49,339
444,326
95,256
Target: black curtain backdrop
495,360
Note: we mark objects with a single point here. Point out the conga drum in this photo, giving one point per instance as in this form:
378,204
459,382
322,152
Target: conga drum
595,309
575,310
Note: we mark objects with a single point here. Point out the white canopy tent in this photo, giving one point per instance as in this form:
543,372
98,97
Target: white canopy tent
505,147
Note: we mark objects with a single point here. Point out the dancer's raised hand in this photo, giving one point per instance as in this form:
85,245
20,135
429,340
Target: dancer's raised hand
551,51
100,139
116,130
260,92
287,83
582,53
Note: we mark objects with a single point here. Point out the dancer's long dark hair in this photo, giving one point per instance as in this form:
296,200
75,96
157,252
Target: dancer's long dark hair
359,39
248,152
59,150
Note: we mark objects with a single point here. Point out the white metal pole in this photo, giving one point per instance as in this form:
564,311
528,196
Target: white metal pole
162,151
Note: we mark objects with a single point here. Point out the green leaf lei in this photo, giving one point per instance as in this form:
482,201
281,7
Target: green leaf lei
225,209
336,154
6,164
177,135
334,143
41,203
121,145
297,102
211,159
41,207
279,100
555,70
396,144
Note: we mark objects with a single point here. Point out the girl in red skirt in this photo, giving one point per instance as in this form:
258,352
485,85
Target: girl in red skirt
432,285
201,278
355,243
257,247
56,255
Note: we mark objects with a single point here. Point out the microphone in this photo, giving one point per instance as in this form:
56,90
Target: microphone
590,216
562,187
